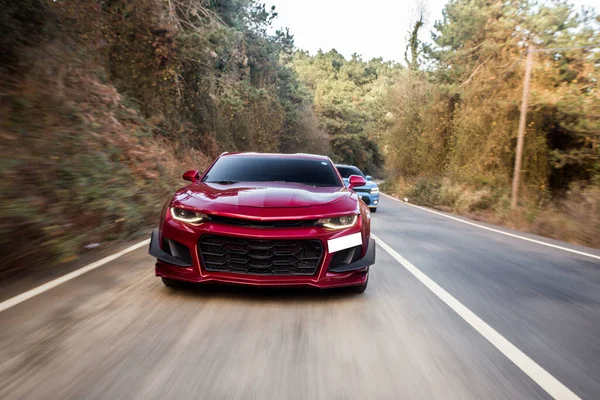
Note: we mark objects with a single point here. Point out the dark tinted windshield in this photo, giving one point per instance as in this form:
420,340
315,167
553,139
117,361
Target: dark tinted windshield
231,169
345,172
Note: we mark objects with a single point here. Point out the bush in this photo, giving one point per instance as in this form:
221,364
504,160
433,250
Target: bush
79,165
575,218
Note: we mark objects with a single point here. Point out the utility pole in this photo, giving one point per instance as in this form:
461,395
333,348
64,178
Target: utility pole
523,118
521,134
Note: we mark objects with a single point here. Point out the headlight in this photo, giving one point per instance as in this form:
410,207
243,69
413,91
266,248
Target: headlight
189,216
345,221
374,190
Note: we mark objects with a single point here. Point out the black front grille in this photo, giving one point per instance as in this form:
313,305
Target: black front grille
362,190
264,224
260,257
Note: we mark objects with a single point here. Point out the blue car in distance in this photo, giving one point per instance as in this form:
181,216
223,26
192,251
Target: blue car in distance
369,193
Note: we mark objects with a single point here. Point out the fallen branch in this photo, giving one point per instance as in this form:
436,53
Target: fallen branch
474,72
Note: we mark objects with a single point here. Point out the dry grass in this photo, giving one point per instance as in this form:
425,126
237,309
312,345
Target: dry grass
573,218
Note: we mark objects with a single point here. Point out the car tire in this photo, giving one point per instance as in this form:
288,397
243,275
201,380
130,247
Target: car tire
170,282
374,209
359,288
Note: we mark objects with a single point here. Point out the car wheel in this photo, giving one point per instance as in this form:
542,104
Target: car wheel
374,209
359,288
170,282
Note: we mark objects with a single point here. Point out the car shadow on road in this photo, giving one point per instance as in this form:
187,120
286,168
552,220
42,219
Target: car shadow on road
266,294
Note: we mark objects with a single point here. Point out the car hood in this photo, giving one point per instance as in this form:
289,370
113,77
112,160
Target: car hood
281,195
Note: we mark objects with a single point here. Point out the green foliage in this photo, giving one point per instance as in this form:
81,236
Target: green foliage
421,116
460,117
217,82
349,101
452,138
414,45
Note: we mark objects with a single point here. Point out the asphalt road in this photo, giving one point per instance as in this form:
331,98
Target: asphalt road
117,333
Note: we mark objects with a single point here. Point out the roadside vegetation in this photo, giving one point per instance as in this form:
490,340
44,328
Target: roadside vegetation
456,112
104,103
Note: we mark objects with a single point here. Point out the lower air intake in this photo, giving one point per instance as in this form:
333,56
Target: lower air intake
260,257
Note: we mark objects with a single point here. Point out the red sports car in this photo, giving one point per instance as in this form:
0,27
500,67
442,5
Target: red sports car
266,220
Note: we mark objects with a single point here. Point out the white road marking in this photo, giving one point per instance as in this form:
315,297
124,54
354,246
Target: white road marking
496,230
13,301
539,375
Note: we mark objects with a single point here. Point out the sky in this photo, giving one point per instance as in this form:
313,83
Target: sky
372,28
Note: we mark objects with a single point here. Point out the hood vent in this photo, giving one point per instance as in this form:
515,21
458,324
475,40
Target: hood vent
263,224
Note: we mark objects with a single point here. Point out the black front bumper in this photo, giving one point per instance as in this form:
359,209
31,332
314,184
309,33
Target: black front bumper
160,254
367,260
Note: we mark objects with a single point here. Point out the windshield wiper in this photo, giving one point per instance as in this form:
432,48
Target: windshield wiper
223,182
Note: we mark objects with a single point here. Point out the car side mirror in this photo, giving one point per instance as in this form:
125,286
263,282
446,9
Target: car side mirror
356,180
193,175
369,178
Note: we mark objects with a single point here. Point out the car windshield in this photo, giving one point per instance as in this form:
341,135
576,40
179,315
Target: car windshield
233,169
345,172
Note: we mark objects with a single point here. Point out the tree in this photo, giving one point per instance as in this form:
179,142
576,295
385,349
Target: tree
349,102
414,45
477,49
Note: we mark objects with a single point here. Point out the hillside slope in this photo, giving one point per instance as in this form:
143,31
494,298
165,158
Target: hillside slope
105,103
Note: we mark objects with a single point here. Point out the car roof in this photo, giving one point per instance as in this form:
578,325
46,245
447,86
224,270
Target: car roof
277,155
345,165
